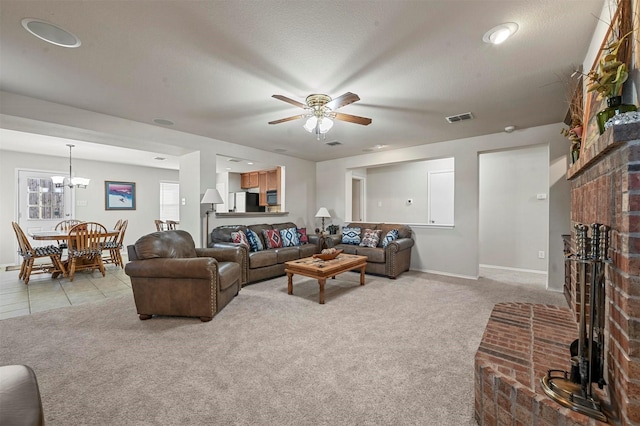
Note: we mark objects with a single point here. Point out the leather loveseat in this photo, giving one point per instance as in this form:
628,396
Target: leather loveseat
170,276
391,260
268,262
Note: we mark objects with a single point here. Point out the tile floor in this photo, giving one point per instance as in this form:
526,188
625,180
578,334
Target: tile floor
44,293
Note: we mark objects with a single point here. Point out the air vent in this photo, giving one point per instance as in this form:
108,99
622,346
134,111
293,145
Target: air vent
334,143
459,117
233,160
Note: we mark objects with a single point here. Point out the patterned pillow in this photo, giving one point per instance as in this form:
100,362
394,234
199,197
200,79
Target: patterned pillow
254,241
272,238
302,236
371,238
350,235
391,236
289,237
240,238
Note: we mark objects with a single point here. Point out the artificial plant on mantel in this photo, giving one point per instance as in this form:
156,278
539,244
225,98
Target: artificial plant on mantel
608,79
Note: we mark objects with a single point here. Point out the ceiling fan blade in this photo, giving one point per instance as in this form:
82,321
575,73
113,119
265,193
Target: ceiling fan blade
353,119
290,101
283,120
340,101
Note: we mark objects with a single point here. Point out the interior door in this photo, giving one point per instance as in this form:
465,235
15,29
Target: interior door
40,205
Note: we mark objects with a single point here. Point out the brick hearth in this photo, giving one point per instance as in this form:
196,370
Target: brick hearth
520,344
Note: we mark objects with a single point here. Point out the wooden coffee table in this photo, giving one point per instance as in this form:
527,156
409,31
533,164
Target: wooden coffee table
322,269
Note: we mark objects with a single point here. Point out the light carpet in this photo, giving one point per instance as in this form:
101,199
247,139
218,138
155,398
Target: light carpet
394,352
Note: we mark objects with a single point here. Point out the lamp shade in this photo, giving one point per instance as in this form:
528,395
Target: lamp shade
323,212
211,196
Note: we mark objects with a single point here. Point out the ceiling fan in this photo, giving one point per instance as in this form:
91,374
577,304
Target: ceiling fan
320,111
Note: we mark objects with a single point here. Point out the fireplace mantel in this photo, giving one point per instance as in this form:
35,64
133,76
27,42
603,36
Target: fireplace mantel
612,137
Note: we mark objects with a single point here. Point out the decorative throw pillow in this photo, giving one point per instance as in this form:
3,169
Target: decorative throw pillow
391,236
254,241
350,235
240,238
302,236
371,238
289,237
272,238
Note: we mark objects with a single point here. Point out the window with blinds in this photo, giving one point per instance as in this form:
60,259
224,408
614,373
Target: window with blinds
170,201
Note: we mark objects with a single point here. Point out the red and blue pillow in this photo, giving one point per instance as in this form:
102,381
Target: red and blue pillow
272,238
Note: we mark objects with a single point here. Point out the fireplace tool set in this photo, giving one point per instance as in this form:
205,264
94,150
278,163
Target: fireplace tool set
574,389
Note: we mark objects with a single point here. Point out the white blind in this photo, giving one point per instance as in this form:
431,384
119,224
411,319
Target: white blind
170,201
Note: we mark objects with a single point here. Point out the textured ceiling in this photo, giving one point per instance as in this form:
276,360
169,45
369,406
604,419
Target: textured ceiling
212,66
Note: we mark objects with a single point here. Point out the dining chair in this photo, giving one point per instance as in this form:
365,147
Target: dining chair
172,225
86,242
65,225
30,254
160,225
114,245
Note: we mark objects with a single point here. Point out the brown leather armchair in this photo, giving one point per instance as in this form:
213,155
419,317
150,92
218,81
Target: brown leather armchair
170,276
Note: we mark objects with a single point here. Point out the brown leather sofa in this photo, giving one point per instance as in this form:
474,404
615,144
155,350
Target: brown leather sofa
20,402
267,263
390,261
170,276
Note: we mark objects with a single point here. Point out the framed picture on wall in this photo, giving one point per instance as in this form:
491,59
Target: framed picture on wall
119,195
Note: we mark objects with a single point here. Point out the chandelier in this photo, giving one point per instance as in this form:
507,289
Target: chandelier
71,182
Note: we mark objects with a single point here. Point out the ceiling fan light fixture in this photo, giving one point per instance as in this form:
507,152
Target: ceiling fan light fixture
325,125
310,125
500,33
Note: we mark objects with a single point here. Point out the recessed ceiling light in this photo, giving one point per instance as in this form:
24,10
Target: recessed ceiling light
163,122
380,146
50,33
500,33
250,163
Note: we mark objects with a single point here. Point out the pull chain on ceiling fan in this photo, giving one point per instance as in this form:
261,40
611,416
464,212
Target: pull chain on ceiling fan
320,112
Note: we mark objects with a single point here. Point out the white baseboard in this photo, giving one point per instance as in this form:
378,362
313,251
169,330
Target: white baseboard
532,271
430,271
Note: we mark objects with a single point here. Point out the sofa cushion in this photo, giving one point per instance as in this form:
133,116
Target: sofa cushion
302,236
374,254
289,237
240,238
262,258
222,234
370,238
272,238
307,250
391,236
255,243
350,235
286,254
347,248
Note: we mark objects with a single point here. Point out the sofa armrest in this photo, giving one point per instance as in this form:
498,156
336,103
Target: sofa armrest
222,254
401,244
194,267
243,259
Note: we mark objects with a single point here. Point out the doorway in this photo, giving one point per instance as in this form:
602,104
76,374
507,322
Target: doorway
357,199
40,206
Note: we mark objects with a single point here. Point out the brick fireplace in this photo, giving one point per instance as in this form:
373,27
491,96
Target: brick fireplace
521,341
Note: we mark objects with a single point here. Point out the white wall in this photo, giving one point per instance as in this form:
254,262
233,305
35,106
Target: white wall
448,251
147,181
386,201
513,222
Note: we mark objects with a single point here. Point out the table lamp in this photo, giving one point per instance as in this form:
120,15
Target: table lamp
323,212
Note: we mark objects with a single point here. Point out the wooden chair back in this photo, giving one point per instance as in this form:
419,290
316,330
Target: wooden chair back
86,242
172,225
160,225
29,254
65,225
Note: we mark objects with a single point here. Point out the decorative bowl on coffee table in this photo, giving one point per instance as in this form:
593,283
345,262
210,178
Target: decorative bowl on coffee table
327,256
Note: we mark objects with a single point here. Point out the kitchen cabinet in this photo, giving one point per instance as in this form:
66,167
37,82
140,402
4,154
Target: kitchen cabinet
262,184
249,180
273,180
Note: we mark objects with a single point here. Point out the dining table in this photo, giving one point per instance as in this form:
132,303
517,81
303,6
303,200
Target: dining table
55,235
63,236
